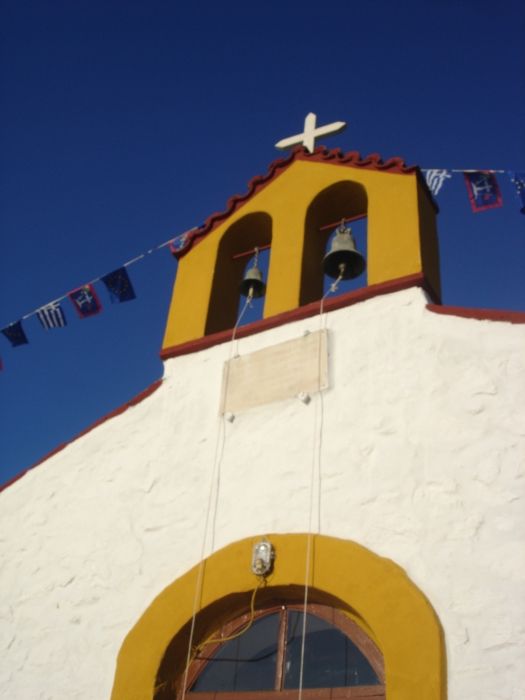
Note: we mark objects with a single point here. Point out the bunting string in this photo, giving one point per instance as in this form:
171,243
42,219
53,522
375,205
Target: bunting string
483,193
176,241
85,299
471,170
482,186
171,241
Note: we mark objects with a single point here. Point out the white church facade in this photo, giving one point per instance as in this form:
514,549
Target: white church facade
377,447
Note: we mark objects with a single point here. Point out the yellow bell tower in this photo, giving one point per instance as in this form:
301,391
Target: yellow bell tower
288,209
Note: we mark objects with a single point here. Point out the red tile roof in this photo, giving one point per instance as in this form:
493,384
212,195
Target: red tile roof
320,155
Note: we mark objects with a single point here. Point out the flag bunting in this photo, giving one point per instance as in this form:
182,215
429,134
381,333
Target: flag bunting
518,179
483,191
119,285
52,316
435,179
482,186
15,334
85,301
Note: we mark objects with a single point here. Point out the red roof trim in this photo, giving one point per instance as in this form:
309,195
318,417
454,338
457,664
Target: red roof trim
116,412
374,290
256,184
479,314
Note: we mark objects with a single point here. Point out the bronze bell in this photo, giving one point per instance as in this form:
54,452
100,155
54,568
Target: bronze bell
253,280
343,259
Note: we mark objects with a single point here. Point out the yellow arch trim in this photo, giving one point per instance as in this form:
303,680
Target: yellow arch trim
398,615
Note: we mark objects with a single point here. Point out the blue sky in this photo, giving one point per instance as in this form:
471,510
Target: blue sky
126,123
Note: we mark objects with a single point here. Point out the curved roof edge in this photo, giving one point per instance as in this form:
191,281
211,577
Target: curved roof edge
321,154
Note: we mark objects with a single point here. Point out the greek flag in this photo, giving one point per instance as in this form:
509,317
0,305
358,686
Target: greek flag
52,316
436,179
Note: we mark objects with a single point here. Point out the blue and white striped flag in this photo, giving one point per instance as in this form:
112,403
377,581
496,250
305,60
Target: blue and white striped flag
436,179
52,316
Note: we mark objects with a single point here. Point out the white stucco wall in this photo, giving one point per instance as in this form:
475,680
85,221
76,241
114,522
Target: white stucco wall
422,461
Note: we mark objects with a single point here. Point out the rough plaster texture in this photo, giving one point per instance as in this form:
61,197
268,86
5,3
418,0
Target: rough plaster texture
422,460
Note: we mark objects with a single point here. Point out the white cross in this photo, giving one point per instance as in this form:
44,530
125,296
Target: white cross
310,133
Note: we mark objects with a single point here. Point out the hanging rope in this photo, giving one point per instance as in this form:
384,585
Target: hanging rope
212,504
315,469
219,448
247,303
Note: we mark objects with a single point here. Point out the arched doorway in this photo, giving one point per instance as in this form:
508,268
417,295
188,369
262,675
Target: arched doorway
371,591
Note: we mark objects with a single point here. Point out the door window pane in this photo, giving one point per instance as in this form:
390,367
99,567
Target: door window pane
331,660
245,663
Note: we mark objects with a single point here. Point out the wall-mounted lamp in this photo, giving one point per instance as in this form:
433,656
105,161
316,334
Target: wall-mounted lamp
263,555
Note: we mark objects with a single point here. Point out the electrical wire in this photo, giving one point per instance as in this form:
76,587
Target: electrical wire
217,640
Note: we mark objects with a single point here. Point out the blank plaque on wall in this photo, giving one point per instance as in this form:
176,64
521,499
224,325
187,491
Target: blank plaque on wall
275,373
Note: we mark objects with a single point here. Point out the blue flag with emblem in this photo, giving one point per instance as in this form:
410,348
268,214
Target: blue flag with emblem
15,334
119,285
483,191
85,301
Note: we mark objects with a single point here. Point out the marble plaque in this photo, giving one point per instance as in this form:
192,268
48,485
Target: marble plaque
295,367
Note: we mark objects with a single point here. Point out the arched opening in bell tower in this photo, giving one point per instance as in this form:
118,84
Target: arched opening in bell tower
236,247
343,201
